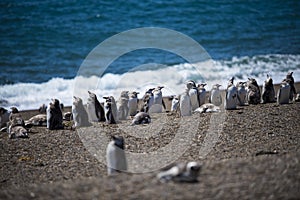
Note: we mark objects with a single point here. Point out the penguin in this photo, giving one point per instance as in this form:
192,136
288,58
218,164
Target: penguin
122,105
80,116
115,156
15,117
148,100
4,117
241,93
297,99
54,115
290,80
174,103
185,104
181,172
158,102
17,131
141,118
94,109
283,94
253,92
231,96
37,120
133,103
215,95
207,108
202,93
42,109
110,110
194,94
268,92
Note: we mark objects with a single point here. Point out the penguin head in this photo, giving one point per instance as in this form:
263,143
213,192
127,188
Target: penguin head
119,141
193,168
55,103
289,75
14,110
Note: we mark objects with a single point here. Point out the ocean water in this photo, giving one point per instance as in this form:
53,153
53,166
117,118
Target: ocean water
44,43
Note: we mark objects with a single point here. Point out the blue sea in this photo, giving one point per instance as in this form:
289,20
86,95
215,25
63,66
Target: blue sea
45,43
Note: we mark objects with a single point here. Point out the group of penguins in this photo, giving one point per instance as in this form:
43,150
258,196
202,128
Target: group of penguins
193,99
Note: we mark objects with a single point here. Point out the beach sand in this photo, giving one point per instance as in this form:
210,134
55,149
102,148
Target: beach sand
256,155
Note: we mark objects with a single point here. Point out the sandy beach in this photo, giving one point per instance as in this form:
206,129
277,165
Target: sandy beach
256,156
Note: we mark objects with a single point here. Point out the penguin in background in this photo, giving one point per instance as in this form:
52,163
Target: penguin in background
174,103
290,80
158,102
253,92
185,104
54,115
148,100
202,93
283,94
231,96
241,93
268,92
133,103
215,95
122,105
115,156
194,94
80,116
94,109
110,110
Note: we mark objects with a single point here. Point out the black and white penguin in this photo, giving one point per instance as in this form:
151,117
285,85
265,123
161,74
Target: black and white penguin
37,120
231,96
253,91
268,91
15,117
208,108
141,118
133,103
181,172
4,117
42,109
202,93
158,102
115,156
283,94
80,116
148,100
290,80
241,93
94,109
215,95
110,110
185,104
122,105
174,103
194,94
16,127
54,115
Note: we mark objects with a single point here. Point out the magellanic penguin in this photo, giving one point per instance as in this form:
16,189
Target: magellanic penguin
42,109
122,105
15,117
241,93
297,99
4,117
215,95
141,118
148,100
133,103
253,91
231,96
94,109
175,103
54,115
185,104
181,172
194,94
207,108
115,156
202,93
283,94
268,92
290,80
110,110
158,102
80,116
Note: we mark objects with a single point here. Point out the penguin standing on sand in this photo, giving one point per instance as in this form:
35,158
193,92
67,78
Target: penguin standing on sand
122,105
185,104
158,102
215,95
268,92
175,103
241,93
115,156
110,110
202,93
94,109
194,94
253,92
283,94
148,100
54,115
16,127
231,96
133,103
290,80
79,113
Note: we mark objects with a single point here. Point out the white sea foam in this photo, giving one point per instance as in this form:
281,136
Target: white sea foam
32,95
